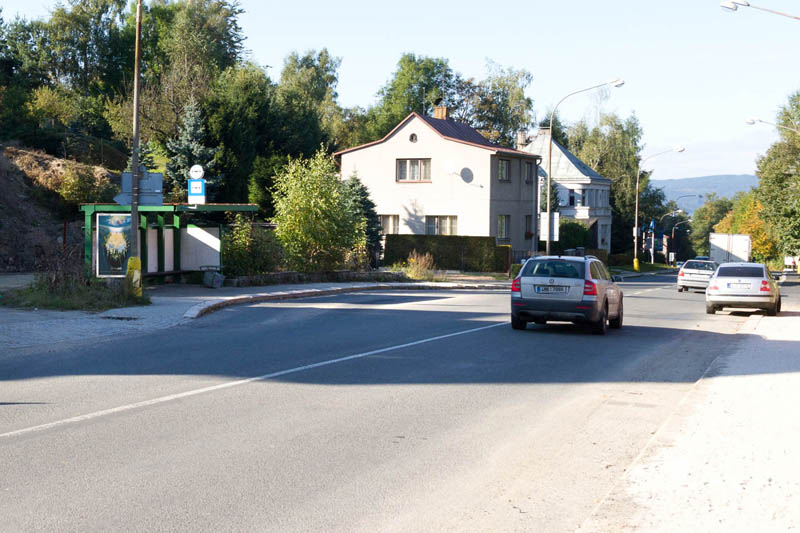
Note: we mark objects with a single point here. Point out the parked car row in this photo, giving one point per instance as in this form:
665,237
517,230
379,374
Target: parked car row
581,290
732,285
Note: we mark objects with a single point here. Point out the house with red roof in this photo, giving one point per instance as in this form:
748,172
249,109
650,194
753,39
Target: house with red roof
436,176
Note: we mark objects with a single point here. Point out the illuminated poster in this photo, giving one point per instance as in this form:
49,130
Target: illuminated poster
113,244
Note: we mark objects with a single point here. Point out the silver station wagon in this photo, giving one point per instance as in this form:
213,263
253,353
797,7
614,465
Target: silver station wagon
566,288
695,274
743,285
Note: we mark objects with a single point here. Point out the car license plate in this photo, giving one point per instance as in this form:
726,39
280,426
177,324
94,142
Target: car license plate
738,285
550,289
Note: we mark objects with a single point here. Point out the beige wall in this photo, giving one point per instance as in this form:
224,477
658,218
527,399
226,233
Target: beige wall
463,183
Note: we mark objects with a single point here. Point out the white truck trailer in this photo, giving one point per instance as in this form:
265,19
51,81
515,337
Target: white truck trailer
730,247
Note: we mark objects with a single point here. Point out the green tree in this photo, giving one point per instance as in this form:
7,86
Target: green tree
779,180
560,131
501,108
366,209
307,95
244,121
745,217
705,218
318,222
186,150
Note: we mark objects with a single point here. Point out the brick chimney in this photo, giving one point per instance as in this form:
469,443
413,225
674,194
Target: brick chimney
440,112
522,139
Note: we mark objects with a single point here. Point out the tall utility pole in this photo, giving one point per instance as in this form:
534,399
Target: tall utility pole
135,147
134,267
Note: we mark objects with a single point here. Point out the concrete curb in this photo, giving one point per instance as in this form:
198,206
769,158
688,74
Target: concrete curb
210,306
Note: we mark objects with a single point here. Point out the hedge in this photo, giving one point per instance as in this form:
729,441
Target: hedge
450,252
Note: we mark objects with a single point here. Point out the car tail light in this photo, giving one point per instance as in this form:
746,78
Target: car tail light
515,286
680,274
589,288
765,286
713,288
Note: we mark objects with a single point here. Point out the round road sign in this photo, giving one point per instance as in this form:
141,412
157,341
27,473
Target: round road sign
196,172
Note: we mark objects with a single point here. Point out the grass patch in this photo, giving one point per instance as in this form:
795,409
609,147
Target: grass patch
93,295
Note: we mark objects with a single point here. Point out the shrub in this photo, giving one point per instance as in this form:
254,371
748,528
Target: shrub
514,270
420,266
451,252
62,283
249,250
80,185
625,259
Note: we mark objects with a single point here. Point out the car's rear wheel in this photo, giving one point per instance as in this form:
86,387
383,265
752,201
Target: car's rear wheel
711,309
601,326
680,289
773,309
779,304
518,323
616,323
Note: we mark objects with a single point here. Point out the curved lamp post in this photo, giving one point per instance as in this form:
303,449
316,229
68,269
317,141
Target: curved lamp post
618,82
752,121
733,5
636,212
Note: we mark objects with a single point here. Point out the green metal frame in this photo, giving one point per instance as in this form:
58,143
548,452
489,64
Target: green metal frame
177,210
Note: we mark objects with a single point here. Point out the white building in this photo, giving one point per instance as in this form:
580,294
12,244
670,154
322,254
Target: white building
583,193
437,176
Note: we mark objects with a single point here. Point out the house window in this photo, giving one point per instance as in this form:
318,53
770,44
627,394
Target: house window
413,170
390,224
412,138
503,226
586,196
502,170
571,197
528,172
441,225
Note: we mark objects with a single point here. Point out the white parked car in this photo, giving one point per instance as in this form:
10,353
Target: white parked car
743,285
695,274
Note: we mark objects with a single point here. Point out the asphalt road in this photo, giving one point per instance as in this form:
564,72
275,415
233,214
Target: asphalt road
371,411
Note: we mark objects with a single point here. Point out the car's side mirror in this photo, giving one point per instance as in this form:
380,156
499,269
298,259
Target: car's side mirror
616,278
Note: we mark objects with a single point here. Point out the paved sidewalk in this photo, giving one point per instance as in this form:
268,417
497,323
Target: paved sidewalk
173,305
726,460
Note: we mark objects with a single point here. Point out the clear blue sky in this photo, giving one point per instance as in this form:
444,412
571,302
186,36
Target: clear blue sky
693,71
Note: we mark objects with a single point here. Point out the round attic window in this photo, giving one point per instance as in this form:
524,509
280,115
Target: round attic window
412,137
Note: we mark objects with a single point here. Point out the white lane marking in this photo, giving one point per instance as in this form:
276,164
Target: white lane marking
649,290
171,397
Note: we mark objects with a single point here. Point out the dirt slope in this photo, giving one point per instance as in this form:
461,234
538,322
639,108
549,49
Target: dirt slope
32,214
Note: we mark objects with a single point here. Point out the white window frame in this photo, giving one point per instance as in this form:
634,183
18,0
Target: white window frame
412,170
441,225
390,224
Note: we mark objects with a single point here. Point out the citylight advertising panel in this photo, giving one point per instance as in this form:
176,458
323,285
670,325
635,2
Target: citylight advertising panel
113,245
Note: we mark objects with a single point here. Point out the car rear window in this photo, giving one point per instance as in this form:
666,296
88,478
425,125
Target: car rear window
698,265
554,268
740,272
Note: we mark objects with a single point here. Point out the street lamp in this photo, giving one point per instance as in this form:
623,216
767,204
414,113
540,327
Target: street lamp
752,121
733,5
636,212
618,82
653,235
688,220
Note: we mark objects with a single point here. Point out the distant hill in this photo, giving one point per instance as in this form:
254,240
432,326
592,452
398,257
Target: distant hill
724,185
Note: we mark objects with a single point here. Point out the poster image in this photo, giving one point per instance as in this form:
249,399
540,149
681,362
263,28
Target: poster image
113,244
